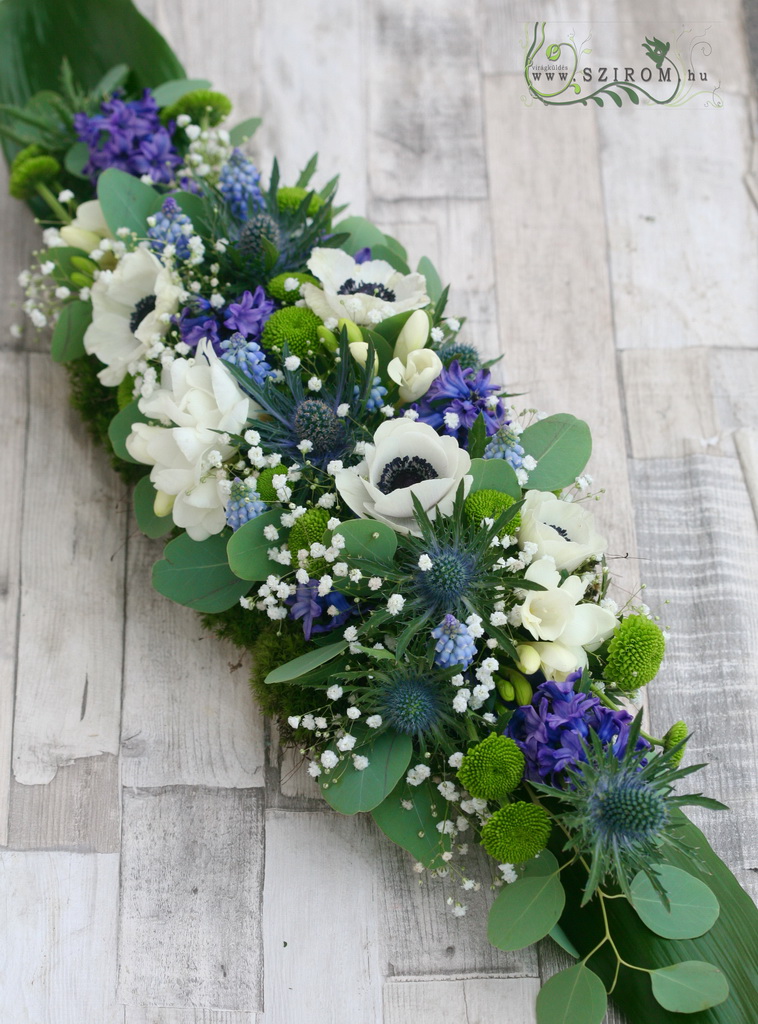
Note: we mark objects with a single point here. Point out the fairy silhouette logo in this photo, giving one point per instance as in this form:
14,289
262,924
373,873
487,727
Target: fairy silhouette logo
564,72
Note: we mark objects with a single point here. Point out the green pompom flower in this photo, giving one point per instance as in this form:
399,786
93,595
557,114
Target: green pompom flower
676,734
289,199
489,504
516,833
30,172
264,485
203,106
493,768
277,290
297,327
308,529
635,653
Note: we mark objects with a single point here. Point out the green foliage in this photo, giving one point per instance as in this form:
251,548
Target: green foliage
68,336
272,644
433,282
528,908
248,548
573,996
494,475
120,428
169,92
197,574
126,201
150,524
368,539
692,908
350,791
562,445
415,828
689,986
289,200
305,664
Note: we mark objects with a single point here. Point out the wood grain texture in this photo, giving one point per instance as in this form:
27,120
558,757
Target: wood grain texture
20,236
188,713
191,889
505,30
170,1015
71,626
13,401
58,956
475,1001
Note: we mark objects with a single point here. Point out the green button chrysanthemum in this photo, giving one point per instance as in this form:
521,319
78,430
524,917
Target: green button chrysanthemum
295,326
489,504
309,529
634,653
493,768
288,200
676,734
29,171
277,290
264,485
516,833
203,106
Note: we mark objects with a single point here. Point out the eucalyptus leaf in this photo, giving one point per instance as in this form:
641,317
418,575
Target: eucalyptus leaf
494,475
362,234
120,428
414,828
248,548
562,445
693,909
113,79
558,935
525,911
573,996
196,574
306,663
75,159
384,252
68,336
169,92
397,247
433,282
689,986
368,538
244,131
150,524
350,791
126,201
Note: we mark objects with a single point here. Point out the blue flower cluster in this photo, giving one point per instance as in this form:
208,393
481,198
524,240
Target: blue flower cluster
455,645
455,400
248,356
169,227
306,604
244,504
551,729
505,445
239,186
129,137
376,398
246,316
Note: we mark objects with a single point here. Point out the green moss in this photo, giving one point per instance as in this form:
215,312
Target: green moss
125,392
277,291
203,106
276,644
635,653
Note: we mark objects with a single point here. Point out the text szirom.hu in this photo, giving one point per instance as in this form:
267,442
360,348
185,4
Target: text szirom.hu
603,74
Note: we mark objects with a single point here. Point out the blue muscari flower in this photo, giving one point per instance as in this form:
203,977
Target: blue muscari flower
465,392
246,315
363,255
244,504
307,605
455,645
130,137
170,224
376,398
552,729
238,185
248,356
505,445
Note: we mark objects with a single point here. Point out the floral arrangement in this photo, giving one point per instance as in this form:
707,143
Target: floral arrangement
351,495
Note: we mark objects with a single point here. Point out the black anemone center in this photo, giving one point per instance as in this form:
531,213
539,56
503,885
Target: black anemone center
143,307
559,529
404,471
350,287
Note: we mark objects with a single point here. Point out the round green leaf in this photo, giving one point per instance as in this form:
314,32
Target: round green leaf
525,911
389,255
149,523
248,548
362,233
244,130
494,475
126,201
689,986
558,935
562,445
197,574
433,282
170,92
68,336
540,866
120,428
306,663
368,538
415,828
75,159
350,791
693,908
574,996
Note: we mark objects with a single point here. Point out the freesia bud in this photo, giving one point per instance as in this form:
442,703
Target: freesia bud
78,238
414,335
163,503
529,659
353,331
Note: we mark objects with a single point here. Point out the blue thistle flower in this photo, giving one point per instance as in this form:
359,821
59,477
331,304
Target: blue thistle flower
505,445
248,356
244,504
410,704
445,586
170,224
455,645
239,186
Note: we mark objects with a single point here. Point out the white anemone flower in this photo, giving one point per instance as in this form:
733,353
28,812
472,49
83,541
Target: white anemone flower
121,299
406,458
88,228
197,399
365,293
561,529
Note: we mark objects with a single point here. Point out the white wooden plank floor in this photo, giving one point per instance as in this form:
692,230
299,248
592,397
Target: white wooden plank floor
161,862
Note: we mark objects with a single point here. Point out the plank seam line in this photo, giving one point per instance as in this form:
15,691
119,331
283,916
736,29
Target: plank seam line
404,979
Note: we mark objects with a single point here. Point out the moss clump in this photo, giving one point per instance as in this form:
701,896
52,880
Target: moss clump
635,653
493,768
202,106
275,645
288,200
125,392
279,293
489,504
516,833
295,326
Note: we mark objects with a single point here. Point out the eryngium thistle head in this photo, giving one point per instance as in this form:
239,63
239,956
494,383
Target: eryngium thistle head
251,245
447,582
410,704
317,422
517,832
466,355
492,769
635,653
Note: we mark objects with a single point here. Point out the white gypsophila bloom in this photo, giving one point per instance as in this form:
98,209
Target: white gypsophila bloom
561,529
414,377
314,769
374,721
405,459
345,743
198,399
358,291
455,760
88,228
329,759
334,692
360,763
418,774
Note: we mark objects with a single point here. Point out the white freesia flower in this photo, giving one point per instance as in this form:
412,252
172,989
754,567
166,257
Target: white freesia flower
88,228
121,299
564,629
421,367
198,398
561,529
406,458
414,335
361,292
